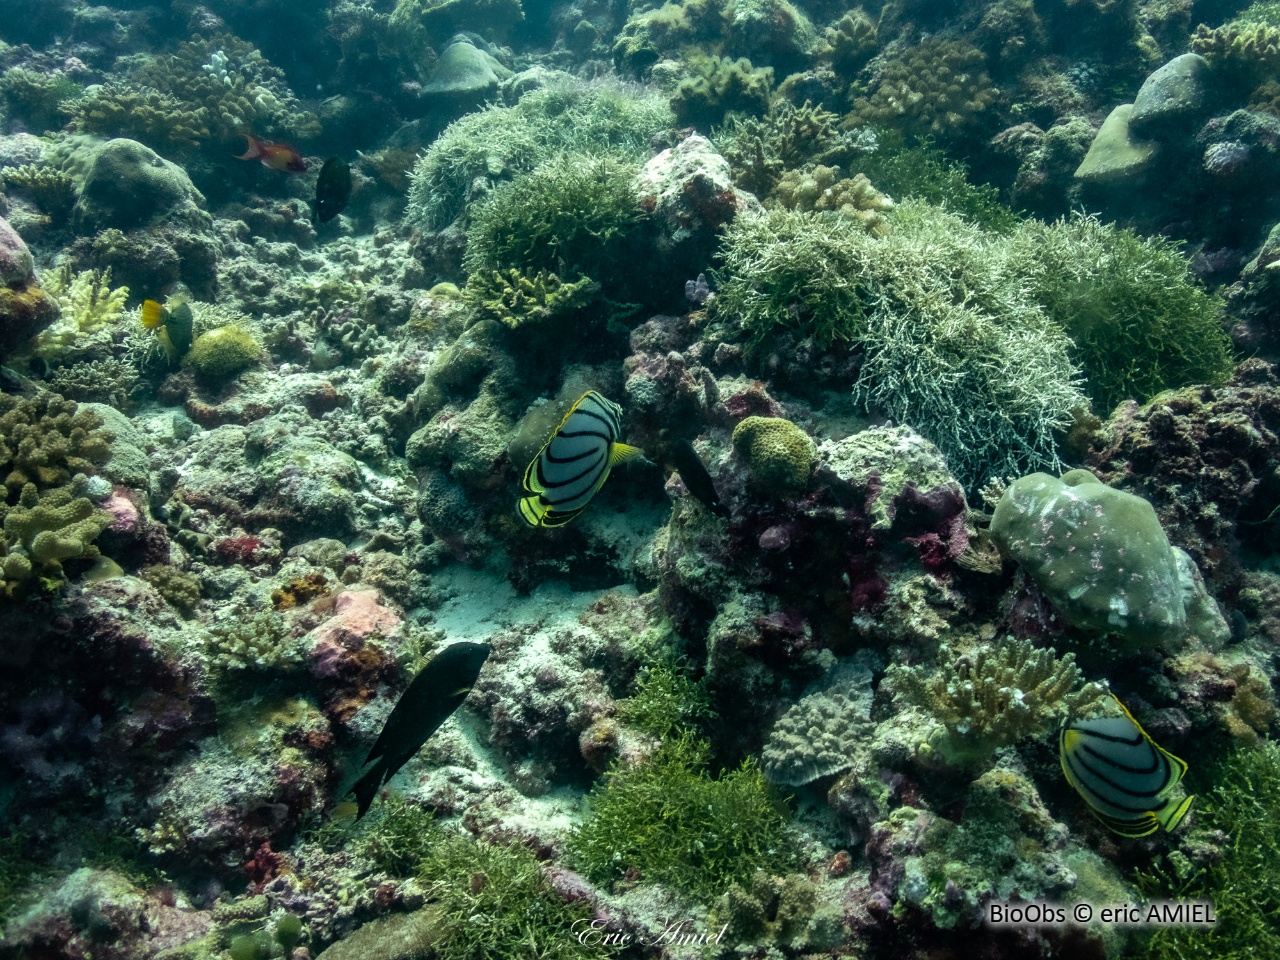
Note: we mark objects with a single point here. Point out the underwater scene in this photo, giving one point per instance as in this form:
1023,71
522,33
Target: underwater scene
639,479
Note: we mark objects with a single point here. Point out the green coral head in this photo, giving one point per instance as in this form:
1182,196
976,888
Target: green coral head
222,353
779,454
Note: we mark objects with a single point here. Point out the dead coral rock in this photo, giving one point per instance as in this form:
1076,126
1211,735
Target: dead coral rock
25,309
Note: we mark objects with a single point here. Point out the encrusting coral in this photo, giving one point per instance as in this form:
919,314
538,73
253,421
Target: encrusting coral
818,736
995,695
515,299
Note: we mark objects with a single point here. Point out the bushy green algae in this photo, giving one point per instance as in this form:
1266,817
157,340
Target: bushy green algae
669,820
665,700
573,216
496,903
1244,883
501,142
953,344
1138,321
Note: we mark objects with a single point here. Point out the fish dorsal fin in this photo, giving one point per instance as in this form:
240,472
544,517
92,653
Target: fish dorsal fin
1177,766
622,452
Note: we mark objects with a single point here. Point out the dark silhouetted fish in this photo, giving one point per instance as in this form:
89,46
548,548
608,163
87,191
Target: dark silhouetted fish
428,701
333,189
693,472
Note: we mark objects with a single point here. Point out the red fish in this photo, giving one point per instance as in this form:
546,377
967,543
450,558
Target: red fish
277,156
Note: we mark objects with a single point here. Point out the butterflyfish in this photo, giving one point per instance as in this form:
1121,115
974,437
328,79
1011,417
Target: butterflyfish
173,326
1127,779
574,462
429,700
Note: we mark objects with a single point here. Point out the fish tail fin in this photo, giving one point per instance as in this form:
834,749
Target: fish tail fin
1174,813
255,150
622,452
152,314
366,788
532,510
169,349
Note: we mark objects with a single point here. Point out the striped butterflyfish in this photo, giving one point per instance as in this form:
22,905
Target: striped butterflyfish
574,462
1127,779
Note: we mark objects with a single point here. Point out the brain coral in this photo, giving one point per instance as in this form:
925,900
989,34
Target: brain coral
778,453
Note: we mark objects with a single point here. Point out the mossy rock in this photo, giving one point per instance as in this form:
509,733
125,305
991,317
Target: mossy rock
778,453
1115,155
130,185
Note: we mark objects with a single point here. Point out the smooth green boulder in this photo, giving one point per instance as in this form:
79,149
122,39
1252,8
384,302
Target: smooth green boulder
1102,558
1171,97
1115,155
464,72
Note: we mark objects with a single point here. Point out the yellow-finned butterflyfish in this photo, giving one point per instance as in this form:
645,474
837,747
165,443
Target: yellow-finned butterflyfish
574,462
1127,779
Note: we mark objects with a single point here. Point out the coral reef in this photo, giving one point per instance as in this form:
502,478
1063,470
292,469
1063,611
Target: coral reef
778,453
25,308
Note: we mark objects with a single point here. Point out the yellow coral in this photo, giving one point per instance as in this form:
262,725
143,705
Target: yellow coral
822,188
1249,49
778,453
89,304
995,695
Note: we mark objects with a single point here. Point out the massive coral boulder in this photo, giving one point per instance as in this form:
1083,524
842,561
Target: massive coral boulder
25,309
1102,558
130,185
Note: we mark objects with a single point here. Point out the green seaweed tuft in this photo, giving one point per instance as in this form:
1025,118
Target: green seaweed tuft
670,821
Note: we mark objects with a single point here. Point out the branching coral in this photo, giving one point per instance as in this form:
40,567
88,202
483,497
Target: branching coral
46,440
261,642
650,34
514,299
89,305
499,142
760,149
53,191
157,119
229,87
1138,321
995,695
1248,51
42,530
849,42
938,88
102,381
35,95
822,188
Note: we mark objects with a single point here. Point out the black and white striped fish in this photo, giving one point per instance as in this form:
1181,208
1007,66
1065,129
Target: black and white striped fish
574,462
1125,777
